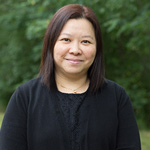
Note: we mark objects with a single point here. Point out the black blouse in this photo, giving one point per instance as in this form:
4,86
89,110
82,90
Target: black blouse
70,105
34,120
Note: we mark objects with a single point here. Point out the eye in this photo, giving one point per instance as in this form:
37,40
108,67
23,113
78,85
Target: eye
66,40
86,42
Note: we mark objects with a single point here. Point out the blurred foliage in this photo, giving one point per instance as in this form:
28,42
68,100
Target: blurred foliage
125,28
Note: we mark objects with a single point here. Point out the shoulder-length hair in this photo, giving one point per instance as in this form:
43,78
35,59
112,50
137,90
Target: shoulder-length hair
96,71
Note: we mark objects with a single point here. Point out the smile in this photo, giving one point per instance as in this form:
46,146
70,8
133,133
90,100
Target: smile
74,61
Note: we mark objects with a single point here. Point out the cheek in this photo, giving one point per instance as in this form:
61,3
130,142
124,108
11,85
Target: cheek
90,54
56,53
59,51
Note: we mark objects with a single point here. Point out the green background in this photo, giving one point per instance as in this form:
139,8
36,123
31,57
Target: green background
125,27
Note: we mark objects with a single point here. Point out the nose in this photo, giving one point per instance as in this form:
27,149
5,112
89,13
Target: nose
75,49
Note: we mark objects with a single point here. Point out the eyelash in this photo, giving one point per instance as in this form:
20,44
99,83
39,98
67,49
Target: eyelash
68,40
86,41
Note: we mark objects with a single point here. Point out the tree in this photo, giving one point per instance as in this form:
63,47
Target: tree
125,29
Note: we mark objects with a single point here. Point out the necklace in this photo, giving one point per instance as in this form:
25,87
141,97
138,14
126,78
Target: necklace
75,90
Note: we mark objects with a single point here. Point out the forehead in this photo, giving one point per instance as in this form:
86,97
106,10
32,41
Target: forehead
82,25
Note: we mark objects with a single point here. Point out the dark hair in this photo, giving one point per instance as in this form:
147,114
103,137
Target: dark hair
96,72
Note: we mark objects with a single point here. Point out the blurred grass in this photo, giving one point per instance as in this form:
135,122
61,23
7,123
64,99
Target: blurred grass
145,135
1,117
145,139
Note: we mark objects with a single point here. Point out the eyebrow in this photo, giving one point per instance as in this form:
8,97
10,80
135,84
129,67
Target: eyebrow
66,34
84,36
87,36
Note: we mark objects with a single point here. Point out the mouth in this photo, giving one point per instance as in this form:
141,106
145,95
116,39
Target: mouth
74,61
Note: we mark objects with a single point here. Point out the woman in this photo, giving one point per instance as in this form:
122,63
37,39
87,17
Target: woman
70,106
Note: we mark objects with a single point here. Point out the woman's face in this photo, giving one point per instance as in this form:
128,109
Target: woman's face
75,48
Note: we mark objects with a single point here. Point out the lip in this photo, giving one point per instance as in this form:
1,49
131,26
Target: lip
74,61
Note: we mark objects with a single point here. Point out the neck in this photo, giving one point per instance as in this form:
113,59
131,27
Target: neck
72,85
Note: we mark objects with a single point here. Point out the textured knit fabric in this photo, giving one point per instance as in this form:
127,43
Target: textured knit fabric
70,105
34,120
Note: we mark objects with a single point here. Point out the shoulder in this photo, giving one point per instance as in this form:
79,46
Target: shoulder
31,85
109,84
30,88
113,89
30,91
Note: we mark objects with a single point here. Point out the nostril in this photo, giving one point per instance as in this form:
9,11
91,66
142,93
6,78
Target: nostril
75,51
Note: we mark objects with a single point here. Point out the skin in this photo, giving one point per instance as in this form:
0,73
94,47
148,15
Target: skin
74,51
